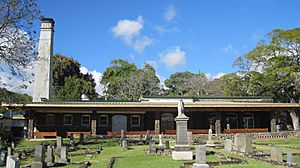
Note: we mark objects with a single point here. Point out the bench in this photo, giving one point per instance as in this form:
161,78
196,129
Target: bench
77,134
129,133
245,130
44,134
194,131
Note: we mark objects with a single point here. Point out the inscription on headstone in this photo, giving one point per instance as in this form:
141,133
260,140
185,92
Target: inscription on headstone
276,154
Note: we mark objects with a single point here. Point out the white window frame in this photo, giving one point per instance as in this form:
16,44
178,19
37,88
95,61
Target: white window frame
67,115
247,116
47,119
106,116
136,125
89,120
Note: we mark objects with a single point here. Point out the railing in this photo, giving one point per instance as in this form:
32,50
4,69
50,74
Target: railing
245,130
76,134
45,134
194,131
130,133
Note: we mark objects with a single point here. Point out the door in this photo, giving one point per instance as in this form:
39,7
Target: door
119,122
167,122
248,120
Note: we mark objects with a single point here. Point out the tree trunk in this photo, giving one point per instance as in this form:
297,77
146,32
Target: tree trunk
295,120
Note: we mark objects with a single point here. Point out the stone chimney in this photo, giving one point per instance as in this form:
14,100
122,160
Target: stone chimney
43,82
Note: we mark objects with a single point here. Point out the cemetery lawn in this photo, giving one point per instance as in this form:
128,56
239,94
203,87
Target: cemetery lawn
137,157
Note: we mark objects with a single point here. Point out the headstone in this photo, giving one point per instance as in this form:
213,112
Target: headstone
160,145
13,145
9,151
148,137
122,135
64,154
81,137
290,158
23,154
59,142
167,145
152,148
190,138
228,145
124,145
50,155
227,126
276,154
200,157
39,157
242,143
72,136
181,148
12,162
3,158
72,144
210,142
167,150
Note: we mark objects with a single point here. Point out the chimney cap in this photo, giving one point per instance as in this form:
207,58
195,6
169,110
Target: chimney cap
51,20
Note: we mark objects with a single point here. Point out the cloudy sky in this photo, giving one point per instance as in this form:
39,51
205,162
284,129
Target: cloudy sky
173,36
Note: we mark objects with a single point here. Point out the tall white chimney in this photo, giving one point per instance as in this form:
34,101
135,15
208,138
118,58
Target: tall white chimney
43,81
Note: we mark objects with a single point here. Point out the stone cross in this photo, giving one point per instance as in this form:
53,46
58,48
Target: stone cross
160,145
276,154
290,158
59,142
200,157
12,162
227,145
64,154
39,157
50,155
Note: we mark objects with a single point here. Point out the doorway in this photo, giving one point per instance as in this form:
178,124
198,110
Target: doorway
167,122
119,122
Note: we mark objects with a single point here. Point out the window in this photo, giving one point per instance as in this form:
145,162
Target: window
68,119
85,120
248,120
103,120
50,119
135,120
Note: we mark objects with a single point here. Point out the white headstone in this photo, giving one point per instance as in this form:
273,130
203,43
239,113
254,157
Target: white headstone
160,141
276,154
12,162
228,145
200,157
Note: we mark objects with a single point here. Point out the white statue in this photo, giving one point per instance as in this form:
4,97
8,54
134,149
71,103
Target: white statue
181,109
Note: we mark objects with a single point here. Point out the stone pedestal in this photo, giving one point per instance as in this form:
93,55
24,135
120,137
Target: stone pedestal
94,127
181,134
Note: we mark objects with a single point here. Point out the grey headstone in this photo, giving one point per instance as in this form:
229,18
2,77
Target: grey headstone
39,157
81,137
3,156
72,136
50,155
59,142
124,145
64,154
9,151
12,162
122,135
228,145
152,148
200,154
290,158
242,143
167,144
209,134
276,154
190,137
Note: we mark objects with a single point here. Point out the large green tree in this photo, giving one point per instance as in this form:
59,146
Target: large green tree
69,83
276,61
124,81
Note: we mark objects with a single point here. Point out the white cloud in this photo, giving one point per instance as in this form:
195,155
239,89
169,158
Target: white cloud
152,63
127,29
216,76
170,13
173,57
97,76
229,49
162,29
140,44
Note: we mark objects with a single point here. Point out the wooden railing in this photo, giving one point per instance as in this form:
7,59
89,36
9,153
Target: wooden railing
44,134
245,130
129,133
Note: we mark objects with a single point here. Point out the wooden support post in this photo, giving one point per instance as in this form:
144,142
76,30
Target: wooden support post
94,123
273,122
157,123
218,123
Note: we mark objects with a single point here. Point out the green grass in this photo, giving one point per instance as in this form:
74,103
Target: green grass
137,157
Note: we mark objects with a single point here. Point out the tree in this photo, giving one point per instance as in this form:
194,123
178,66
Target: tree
126,82
67,76
277,59
17,43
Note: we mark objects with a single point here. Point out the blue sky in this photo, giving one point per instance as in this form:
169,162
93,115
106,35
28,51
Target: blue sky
172,35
